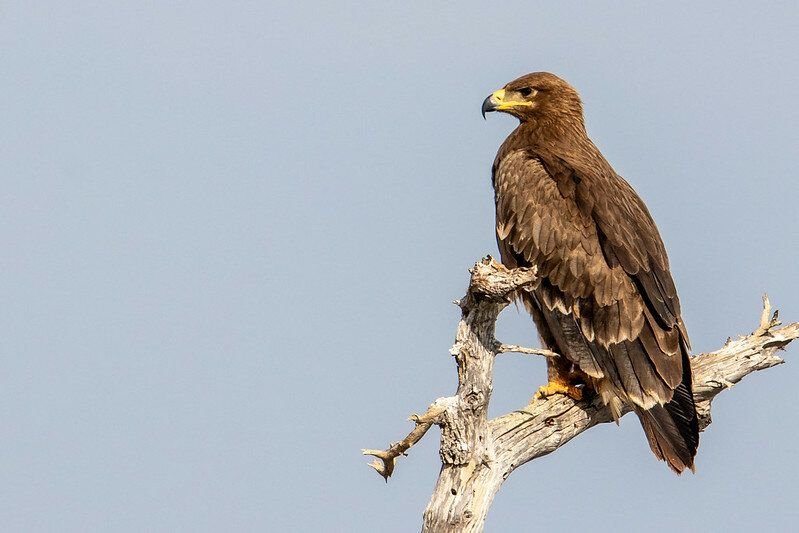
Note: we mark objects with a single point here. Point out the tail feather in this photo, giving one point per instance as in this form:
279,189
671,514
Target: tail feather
673,429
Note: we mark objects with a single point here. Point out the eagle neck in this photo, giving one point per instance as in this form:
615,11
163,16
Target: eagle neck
549,134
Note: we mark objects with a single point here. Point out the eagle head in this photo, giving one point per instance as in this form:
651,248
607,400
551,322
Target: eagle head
538,97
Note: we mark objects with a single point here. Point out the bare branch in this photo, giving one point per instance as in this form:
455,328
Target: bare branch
386,459
545,425
500,347
478,454
766,323
492,281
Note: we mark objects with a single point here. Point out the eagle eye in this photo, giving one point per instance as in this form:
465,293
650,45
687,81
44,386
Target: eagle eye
526,91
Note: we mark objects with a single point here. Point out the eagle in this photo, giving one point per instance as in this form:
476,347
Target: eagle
606,301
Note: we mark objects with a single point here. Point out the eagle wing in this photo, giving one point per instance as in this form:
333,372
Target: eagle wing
606,300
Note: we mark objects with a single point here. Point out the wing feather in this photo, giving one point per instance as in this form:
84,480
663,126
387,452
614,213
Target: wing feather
598,250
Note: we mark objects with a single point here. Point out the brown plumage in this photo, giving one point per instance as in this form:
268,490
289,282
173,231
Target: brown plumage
606,301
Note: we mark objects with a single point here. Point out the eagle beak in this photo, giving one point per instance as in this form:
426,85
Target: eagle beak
492,102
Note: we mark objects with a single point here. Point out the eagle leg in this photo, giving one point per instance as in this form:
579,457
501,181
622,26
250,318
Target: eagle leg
559,387
564,378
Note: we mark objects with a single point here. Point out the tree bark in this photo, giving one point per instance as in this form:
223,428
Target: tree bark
478,454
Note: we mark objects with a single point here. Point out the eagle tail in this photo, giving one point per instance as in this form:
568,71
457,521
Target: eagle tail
673,429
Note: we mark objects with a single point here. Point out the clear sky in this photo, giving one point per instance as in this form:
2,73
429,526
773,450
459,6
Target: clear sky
232,233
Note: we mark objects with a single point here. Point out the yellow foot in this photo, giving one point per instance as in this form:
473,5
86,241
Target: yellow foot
558,387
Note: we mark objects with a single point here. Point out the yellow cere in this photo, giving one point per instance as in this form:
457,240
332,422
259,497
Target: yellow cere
497,98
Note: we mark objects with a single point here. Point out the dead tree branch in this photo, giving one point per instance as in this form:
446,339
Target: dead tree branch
478,454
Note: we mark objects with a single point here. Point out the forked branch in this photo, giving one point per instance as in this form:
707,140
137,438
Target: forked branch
478,454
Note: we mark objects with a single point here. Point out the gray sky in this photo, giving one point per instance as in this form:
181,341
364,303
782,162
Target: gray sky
232,233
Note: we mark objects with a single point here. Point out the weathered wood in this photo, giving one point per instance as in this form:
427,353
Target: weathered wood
478,454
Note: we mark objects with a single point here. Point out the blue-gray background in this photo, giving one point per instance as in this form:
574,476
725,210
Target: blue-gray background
231,233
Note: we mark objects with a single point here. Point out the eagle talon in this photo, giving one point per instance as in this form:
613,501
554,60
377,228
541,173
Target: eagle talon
557,387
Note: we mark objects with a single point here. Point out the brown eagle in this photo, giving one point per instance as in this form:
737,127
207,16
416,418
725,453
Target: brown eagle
606,301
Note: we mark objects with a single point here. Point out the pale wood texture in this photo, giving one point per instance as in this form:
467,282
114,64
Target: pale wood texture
478,454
